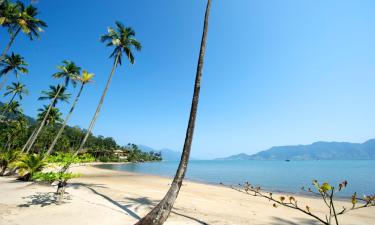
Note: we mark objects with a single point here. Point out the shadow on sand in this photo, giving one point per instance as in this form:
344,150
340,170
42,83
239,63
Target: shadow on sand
43,199
132,202
281,221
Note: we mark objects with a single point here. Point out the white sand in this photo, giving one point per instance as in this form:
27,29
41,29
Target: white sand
104,197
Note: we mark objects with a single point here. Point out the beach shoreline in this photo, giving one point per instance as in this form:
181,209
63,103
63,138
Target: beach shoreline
103,196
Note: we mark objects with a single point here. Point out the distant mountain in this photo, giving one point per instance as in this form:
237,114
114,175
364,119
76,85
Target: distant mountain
167,154
241,156
316,151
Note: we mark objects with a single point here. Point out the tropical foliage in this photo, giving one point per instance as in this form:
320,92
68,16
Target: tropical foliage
30,164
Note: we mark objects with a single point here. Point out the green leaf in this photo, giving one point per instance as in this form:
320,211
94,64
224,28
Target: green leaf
326,187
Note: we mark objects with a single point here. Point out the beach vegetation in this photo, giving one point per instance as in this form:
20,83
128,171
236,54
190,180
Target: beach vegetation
325,191
7,159
29,164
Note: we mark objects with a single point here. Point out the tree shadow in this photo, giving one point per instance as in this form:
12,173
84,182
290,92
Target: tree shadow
123,207
43,199
133,202
282,221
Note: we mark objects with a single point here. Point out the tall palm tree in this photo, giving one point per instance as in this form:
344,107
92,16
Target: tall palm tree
123,40
160,213
17,89
85,78
17,17
55,94
14,63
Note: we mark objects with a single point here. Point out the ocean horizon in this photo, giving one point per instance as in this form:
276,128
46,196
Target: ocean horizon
276,176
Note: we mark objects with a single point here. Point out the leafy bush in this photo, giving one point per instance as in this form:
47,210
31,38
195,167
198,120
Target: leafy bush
64,158
51,177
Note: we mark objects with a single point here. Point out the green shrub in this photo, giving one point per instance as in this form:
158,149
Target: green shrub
64,158
51,177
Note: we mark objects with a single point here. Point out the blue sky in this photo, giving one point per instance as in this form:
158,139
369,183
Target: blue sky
275,73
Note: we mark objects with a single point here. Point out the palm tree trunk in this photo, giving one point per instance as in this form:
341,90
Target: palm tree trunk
161,212
12,37
92,123
99,107
33,139
50,149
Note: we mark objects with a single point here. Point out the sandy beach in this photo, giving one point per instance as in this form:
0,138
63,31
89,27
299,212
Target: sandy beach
113,198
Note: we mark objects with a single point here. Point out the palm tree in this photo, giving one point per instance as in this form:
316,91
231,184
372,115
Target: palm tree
57,93
160,213
122,39
84,79
17,89
14,63
53,116
16,18
8,14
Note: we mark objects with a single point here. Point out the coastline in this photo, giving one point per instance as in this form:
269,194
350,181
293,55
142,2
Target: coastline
103,196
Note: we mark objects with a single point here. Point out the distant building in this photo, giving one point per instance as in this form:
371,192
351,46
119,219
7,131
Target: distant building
121,154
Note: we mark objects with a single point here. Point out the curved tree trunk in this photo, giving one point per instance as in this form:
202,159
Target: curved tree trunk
8,45
50,149
33,139
161,212
92,123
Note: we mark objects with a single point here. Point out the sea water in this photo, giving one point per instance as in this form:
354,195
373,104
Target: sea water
282,176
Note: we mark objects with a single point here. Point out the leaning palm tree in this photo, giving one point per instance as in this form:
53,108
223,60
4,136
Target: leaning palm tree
14,63
57,93
17,89
160,213
85,78
123,41
69,72
17,17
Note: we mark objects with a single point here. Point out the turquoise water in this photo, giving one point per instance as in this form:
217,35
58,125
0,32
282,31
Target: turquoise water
271,175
